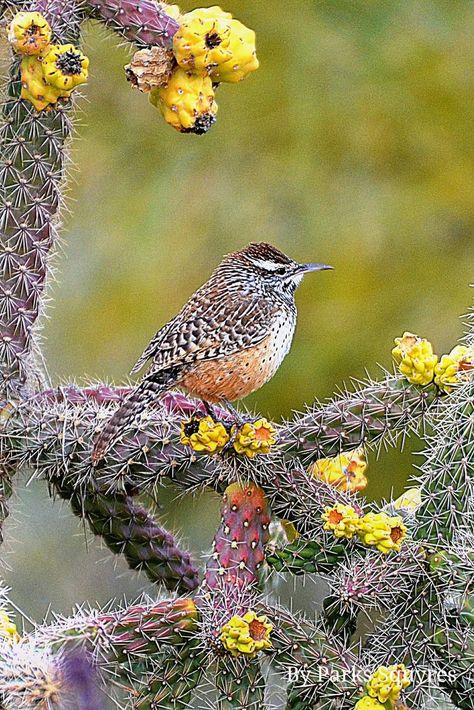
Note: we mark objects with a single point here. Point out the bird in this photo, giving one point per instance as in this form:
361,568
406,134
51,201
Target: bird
227,341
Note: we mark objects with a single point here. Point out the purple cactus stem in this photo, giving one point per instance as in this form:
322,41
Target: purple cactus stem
145,23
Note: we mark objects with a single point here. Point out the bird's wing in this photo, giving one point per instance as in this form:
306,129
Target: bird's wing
200,332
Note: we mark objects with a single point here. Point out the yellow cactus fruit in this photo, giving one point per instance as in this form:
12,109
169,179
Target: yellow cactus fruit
35,88
367,703
8,630
29,33
455,367
243,56
65,67
387,682
255,438
202,41
187,102
246,634
150,68
415,358
204,434
345,472
382,531
342,520
409,500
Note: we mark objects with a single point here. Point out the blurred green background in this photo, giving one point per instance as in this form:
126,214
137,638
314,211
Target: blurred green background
353,144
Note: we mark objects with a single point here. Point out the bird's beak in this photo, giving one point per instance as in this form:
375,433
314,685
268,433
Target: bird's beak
314,267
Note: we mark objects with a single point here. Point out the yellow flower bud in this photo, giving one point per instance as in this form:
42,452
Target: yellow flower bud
454,368
65,67
204,434
367,703
342,520
246,634
29,33
409,500
388,681
255,438
382,531
187,102
345,472
415,358
8,629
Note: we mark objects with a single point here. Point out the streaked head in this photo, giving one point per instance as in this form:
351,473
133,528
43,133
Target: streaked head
273,266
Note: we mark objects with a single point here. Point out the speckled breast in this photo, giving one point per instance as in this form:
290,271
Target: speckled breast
238,375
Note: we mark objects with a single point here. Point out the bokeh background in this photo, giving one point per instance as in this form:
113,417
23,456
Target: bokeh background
353,144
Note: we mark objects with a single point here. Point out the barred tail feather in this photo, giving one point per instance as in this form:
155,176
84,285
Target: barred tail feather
147,391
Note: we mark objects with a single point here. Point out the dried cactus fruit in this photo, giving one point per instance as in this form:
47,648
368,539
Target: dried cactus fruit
150,68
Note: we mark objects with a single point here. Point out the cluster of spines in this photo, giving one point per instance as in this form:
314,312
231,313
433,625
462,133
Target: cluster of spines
377,413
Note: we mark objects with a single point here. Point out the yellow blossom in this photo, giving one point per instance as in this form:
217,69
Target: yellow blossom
29,33
35,88
409,500
246,634
367,703
388,681
255,438
346,471
8,629
204,434
342,520
243,55
382,531
187,102
65,67
415,358
455,367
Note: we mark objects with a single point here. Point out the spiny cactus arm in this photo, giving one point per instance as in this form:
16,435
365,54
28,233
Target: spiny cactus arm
375,413
240,684
53,434
446,480
171,686
139,631
31,172
306,556
143,22
318,667
129,529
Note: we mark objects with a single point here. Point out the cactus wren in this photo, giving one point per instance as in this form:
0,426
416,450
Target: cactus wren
226,342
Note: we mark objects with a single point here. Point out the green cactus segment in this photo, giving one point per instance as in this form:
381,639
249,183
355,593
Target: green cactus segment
317,666
171,686
374,413
307,556
238,548
446,480
240,684
454,645
145,23
129,529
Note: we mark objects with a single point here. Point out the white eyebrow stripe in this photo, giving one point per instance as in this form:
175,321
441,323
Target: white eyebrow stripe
268,265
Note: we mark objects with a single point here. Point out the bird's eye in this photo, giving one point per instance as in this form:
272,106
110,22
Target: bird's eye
280,272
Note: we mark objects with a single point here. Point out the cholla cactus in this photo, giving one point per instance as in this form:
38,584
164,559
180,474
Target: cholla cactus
291,491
